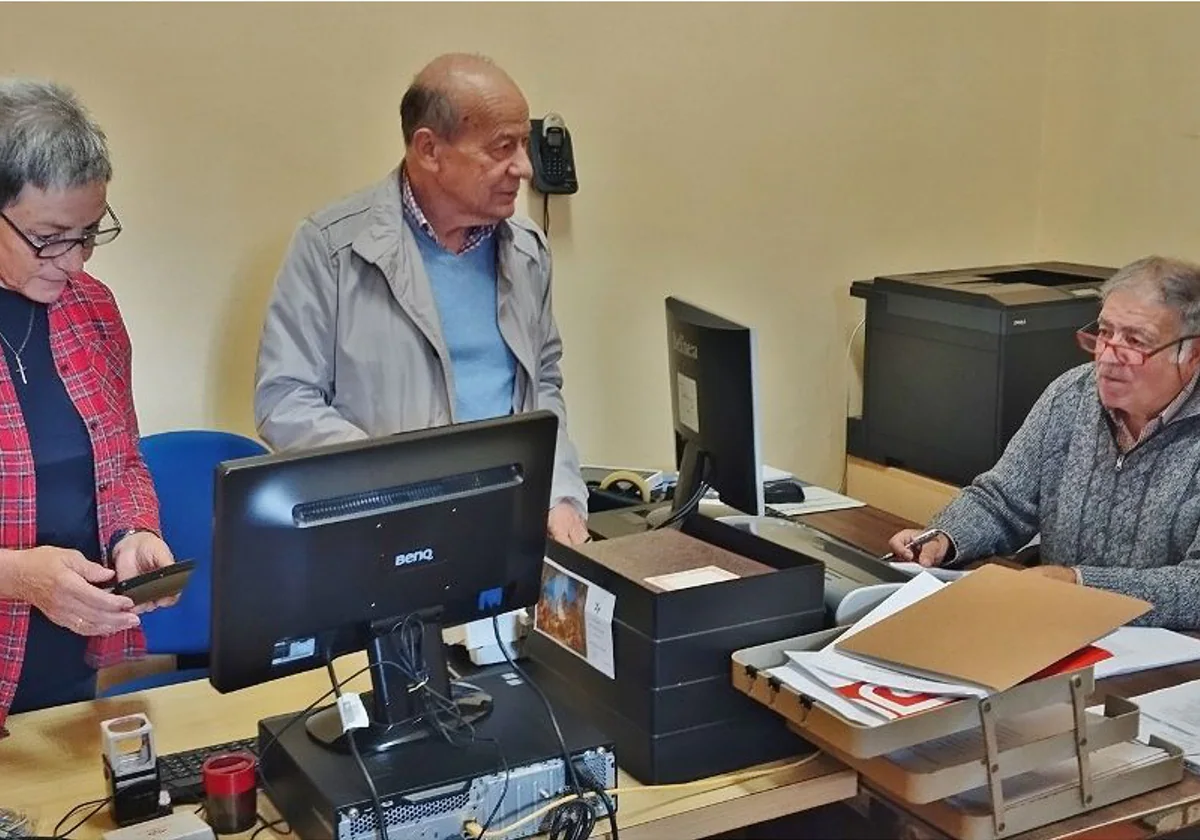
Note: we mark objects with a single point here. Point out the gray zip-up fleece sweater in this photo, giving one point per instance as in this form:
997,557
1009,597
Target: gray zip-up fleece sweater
1128,522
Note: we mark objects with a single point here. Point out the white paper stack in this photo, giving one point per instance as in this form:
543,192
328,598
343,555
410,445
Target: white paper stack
1143,648
866,693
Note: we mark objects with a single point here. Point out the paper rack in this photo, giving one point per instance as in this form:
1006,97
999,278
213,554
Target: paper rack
972,768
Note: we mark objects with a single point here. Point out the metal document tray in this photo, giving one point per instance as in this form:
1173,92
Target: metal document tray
857,741
987,748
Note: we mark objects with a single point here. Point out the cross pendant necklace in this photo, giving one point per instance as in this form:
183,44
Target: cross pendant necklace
18,351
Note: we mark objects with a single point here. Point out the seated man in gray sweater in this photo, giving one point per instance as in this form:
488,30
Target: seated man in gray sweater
1105,466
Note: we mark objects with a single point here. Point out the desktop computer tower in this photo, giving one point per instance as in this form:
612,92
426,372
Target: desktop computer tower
509,765
954,360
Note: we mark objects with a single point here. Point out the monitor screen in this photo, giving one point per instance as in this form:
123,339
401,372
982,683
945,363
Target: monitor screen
351,546
714,407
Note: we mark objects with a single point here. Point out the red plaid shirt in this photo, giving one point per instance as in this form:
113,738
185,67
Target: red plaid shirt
92,354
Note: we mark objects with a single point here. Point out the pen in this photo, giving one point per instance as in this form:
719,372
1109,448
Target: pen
915,543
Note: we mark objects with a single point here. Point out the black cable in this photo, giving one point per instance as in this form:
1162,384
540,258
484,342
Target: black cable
569,766
376,805
575,819
687,509
270,825
434,704
546,214
597,787
99,803
301,715
410,653
503,791
416,670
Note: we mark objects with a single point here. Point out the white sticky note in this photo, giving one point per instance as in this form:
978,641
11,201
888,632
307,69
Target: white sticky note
688,402
352,712
692,577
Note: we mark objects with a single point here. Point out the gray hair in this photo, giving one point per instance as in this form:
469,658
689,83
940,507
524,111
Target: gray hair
1171,282
428,107
47,139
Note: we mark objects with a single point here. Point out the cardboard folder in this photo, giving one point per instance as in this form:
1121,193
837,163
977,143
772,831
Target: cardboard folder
993,628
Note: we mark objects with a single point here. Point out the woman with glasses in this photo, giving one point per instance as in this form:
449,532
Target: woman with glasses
77,507
1105,466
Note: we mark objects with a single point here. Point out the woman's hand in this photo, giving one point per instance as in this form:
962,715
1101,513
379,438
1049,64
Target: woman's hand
63,584
138,553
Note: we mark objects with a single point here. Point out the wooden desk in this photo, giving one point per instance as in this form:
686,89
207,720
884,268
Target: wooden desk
51,761
868,528
1145,816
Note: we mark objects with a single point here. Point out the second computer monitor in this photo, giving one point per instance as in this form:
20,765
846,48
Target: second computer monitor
714,406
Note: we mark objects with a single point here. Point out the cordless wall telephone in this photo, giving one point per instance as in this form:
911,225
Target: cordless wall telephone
552,156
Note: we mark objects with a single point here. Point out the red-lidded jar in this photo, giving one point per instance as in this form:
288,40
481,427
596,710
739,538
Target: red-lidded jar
231,792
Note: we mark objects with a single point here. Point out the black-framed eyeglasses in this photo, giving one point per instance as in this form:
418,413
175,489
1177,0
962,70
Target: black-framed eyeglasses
1091,340
48,249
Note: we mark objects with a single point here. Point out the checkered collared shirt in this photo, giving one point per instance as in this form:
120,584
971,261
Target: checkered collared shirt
1125,439
476,236
91,351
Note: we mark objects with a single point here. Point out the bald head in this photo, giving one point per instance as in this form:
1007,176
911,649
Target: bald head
450,92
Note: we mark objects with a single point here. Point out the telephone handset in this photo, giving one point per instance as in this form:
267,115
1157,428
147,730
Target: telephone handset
552,156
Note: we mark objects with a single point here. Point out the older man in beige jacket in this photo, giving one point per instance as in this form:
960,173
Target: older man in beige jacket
421,301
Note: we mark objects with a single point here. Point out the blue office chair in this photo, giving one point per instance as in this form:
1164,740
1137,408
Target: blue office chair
182,464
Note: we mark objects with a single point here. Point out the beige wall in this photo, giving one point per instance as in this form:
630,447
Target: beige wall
752,158
1121,170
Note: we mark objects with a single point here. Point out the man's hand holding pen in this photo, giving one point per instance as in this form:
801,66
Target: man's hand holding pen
929,548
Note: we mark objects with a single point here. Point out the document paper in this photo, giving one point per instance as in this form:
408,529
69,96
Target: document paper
1143,648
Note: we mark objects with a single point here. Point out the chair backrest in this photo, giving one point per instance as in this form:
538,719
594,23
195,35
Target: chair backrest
182,464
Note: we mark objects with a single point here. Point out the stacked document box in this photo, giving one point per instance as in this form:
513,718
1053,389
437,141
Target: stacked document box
678,604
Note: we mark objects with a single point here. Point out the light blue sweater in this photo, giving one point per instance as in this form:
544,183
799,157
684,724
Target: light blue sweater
464,289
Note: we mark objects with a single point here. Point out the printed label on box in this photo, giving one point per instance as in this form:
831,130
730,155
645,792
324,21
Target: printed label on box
578,615
692,577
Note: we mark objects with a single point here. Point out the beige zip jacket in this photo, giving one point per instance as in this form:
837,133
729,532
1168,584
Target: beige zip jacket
352,345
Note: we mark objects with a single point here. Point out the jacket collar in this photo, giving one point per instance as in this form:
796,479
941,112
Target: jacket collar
382,239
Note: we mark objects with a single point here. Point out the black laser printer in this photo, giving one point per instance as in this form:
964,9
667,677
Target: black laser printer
954,360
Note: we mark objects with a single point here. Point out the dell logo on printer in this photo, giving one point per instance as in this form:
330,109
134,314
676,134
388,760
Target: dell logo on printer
684,347
411,558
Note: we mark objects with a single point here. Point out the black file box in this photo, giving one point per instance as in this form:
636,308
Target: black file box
671,707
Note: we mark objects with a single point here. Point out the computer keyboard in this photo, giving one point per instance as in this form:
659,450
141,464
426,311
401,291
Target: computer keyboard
181,772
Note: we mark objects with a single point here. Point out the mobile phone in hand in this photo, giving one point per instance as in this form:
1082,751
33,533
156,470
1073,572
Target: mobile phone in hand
160,583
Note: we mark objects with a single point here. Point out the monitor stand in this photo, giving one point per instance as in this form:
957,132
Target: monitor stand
694,467
400,712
